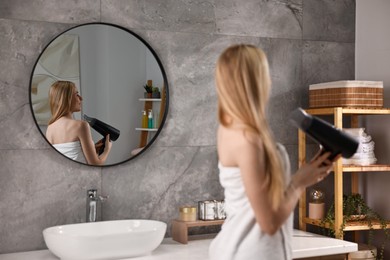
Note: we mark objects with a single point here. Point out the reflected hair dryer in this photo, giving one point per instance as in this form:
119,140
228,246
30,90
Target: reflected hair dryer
103,129
328,136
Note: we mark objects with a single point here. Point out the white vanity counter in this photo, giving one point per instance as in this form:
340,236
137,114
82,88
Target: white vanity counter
304,244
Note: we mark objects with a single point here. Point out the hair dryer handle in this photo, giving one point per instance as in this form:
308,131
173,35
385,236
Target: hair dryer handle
101,149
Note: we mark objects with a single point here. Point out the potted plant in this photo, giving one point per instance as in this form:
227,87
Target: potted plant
156,92
149,91
356,209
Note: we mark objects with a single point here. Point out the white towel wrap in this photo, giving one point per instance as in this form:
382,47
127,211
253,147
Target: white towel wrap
71,150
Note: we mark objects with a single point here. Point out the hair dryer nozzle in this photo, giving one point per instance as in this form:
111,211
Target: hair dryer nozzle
103,128
332,139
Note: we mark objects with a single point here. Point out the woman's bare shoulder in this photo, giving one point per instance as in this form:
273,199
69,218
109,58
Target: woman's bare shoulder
238,137
234,144
81,129
49,134
81,125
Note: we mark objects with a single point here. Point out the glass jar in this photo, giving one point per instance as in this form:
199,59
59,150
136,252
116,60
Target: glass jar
187,213
317,204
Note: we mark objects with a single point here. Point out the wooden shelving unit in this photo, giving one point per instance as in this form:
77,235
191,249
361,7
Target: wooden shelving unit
338,113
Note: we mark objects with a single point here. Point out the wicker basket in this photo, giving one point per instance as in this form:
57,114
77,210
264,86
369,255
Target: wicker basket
347,93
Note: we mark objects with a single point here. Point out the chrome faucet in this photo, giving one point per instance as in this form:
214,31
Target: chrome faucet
92,203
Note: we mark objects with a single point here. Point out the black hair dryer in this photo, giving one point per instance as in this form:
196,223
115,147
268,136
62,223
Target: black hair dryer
103,129
328,136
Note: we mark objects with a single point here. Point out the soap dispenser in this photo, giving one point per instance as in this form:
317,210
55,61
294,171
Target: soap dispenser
150,119
144,119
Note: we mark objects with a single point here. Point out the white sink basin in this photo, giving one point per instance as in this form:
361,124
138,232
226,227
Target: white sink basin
104,240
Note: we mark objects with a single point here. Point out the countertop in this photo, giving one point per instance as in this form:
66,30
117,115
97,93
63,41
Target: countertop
304,244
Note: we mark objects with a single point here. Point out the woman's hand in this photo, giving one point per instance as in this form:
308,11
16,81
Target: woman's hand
314,171
108,143
98,145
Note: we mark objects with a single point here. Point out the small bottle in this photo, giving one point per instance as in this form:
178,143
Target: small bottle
156,120
150,119
144,119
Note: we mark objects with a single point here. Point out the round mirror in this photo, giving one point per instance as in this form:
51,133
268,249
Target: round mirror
120,79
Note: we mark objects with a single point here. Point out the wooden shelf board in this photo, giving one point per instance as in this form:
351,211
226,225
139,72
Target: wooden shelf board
147,129
368,168
315,222
349,110
200,223
150,99
350,226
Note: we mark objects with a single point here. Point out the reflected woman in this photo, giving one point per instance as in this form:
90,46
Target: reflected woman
69,136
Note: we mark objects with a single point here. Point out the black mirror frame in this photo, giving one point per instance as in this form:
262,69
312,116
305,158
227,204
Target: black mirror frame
165,85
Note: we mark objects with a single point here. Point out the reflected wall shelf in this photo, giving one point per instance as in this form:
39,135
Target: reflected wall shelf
150,99
145,133
339,168
147,129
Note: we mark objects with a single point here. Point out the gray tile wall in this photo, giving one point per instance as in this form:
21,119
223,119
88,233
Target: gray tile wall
307,42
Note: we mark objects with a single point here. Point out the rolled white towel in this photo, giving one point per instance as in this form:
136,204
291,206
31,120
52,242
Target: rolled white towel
366,147
354,131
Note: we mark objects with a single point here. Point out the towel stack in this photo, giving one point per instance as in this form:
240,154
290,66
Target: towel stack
365,152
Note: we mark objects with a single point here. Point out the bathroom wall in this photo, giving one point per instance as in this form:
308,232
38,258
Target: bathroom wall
306,41
373,63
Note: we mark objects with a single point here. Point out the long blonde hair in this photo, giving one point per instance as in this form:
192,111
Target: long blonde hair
243,83
60,99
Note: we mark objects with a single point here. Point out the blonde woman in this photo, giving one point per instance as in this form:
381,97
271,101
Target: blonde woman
253,170
69,136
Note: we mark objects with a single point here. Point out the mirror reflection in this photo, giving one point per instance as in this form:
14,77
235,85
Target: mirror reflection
108,94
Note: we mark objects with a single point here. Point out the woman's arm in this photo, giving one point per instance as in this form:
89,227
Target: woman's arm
250,159
88,145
